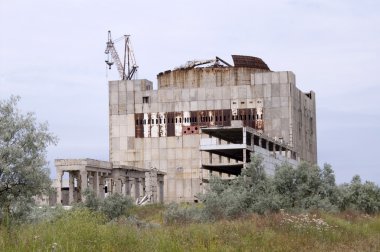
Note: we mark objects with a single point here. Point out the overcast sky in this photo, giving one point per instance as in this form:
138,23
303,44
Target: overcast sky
52,55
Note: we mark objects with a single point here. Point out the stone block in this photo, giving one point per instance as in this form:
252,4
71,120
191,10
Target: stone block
276,102
131,143
258,78
114,98
115,144
234,92
147,154
193,94
130,97
177,95
209,92
291,77
169,95
185,94
226,104
130,86
163,164
123,143
178,142
217,93
155,154
275,90
226,92
267,78
171,142
123,130
210,104
217,104
186,106
275,78
276,124
178,106
284,101
258,91
201,94
242,92
201,105
154,97
193,106
155,143
267,90
178,154
285,112
283,77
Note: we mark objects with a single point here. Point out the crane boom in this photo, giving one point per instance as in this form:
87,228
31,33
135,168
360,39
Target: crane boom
110,49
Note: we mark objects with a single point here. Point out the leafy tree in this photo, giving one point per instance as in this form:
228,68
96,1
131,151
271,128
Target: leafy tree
363,197
23,167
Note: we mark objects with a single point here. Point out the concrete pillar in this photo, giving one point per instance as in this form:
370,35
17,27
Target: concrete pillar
161,192
133,188
118,186
143,188
127,187
59,187
71,187
101,186
137,188
83,183
96,183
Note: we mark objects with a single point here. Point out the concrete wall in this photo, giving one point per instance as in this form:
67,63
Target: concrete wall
288,114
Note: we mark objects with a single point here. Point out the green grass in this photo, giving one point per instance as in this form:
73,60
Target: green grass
82,230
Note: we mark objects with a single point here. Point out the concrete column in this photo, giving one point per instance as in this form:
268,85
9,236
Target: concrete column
244,135
101,186
133,188
59,187
96,184
83,183
127,187
161,192
118,186
143,188
71,187
137,188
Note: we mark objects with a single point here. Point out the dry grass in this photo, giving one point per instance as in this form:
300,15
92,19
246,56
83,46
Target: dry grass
85,231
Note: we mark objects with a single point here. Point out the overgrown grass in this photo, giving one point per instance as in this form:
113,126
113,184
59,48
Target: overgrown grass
82,230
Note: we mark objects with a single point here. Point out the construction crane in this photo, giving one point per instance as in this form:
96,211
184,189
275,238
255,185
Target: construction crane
129,58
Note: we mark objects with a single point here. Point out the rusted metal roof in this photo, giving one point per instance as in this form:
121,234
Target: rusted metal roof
249,61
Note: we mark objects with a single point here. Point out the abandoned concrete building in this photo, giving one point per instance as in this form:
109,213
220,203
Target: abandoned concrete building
206,117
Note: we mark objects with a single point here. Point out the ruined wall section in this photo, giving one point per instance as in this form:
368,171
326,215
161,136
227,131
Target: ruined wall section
141,136
289,114
206,77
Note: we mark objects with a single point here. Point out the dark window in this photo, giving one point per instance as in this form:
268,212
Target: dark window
145,99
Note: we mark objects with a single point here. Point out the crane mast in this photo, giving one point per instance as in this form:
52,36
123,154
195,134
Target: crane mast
129,57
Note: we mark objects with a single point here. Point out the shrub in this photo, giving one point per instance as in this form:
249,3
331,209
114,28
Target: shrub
115,206
177,214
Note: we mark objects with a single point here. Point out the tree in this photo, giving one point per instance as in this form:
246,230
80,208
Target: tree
23,165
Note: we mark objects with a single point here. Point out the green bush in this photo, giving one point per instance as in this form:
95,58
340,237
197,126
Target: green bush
115,206
177,214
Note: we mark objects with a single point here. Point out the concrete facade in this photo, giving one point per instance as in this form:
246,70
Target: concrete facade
164,129
105,178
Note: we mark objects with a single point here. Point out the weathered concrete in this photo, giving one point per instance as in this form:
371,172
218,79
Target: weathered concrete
105,178
162,129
